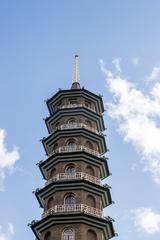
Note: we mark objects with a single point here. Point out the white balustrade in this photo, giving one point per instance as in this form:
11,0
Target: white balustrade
77,105
75,148
74,176
76,125
73,208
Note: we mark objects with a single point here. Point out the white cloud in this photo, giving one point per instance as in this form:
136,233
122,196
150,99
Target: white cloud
146,220
7,159
137,115
135,60
10,228
7,235
117,65
155,74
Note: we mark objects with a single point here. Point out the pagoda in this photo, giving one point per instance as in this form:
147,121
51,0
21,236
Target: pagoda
74,197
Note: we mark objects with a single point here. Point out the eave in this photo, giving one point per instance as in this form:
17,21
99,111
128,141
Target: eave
101,223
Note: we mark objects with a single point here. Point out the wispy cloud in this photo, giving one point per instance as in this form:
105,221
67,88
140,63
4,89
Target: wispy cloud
7,235
137,115
7,159
146,220
155,74
117,64
135,60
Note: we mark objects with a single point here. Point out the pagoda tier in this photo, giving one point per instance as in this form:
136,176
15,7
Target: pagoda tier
82,185
83,135
57,117
75,98
81,157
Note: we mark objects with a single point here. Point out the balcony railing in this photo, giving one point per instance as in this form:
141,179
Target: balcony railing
77,105
76,125
73,208
75,148
74,176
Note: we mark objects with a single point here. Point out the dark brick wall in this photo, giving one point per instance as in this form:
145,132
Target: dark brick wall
81,197
81,232
63,141
67,101
78,119
80,166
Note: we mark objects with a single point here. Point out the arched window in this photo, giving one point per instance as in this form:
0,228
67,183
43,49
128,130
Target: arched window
87,104
88,123
69,199
58,104
55,146
91,235
72,121
91,201
70,169
47,236
57,125
72,101
50,203
68,234
52,173
90,170
72,145
89,145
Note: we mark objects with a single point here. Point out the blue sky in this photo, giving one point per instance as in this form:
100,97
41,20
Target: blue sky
118,45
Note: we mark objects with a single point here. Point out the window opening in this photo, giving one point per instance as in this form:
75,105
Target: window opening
70,170
68,234
69,199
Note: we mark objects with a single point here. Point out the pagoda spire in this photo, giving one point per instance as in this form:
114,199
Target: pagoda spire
76,79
